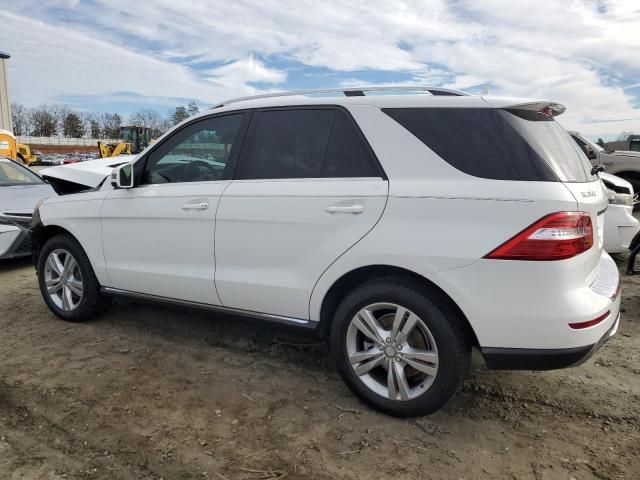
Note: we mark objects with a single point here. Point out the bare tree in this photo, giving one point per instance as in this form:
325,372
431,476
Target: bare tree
20,119
60,112
43,121
110,125
193,109
150,119
92,124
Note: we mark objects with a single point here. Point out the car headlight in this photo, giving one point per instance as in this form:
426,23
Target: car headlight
619,198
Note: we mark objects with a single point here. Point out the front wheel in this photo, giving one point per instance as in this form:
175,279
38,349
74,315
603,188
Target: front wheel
399,348
66,280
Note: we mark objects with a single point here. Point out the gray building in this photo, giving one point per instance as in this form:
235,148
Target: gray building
5,105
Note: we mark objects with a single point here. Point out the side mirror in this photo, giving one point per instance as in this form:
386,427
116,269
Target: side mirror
122,176
591,153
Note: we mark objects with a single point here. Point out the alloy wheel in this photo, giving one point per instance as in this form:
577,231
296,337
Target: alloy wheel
63,280
392,351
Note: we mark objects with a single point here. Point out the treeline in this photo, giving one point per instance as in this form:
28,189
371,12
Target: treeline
57,120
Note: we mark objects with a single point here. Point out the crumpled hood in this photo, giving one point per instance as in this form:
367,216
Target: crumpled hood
617,181
90,173
22,199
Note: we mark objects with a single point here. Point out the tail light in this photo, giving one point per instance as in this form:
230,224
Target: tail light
590,323
557,236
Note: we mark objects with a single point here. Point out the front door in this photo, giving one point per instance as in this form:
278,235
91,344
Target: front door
308,188
158,236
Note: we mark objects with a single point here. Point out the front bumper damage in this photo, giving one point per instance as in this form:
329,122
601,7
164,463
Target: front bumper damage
15,240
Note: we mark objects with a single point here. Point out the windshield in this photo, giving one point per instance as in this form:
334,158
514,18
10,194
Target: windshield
554,144
13,174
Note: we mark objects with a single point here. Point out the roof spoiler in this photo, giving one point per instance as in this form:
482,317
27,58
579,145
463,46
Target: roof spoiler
551,109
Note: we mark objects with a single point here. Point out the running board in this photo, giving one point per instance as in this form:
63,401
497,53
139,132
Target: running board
291,321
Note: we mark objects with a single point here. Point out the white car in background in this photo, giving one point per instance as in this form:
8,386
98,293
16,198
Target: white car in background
20,190
620,226
406,228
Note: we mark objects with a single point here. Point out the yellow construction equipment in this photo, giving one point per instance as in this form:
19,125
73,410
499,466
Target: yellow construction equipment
134,139
19,152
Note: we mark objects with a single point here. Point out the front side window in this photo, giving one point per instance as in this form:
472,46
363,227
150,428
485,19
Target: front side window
13,174
200,152
299,143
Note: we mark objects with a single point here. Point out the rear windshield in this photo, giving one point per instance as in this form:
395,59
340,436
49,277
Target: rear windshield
497,144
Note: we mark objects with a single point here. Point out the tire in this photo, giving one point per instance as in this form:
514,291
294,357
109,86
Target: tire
77,280
437,330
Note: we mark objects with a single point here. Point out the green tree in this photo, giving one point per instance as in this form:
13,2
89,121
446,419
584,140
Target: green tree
72,126
179,115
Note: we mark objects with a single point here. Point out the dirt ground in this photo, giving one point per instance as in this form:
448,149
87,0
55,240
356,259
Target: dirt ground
149,392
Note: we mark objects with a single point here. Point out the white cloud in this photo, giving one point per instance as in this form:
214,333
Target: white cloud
578,52
246,70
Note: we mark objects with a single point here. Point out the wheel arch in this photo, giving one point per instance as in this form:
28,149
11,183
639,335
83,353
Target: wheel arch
348,281
40,234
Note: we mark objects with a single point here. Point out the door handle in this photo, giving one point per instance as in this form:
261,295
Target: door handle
195,206
355,208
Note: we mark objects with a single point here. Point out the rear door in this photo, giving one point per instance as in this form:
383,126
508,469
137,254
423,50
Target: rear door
307,188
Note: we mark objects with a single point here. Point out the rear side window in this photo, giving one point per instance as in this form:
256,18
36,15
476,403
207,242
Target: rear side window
554,144
477,141
299,143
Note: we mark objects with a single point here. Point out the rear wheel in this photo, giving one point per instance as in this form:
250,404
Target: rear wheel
399,349
66,280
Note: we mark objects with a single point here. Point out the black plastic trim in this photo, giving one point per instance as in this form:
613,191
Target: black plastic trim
543,359
279,319
532,359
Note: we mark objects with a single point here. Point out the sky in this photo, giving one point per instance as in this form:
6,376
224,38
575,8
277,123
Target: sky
123,55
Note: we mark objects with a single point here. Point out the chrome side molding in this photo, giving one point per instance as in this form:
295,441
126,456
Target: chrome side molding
294,322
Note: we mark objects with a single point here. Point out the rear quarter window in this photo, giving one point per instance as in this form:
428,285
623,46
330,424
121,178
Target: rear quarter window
477,141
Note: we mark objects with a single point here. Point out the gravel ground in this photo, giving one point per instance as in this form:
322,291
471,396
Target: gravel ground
149,392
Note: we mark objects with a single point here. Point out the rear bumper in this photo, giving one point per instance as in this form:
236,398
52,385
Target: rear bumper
544,359
532,306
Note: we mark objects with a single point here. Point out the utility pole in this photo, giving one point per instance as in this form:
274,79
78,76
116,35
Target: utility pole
5,104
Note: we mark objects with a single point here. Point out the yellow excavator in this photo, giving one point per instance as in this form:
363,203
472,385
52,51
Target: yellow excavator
134,140
19,152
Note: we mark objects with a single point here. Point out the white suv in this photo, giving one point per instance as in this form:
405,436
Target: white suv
407,228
